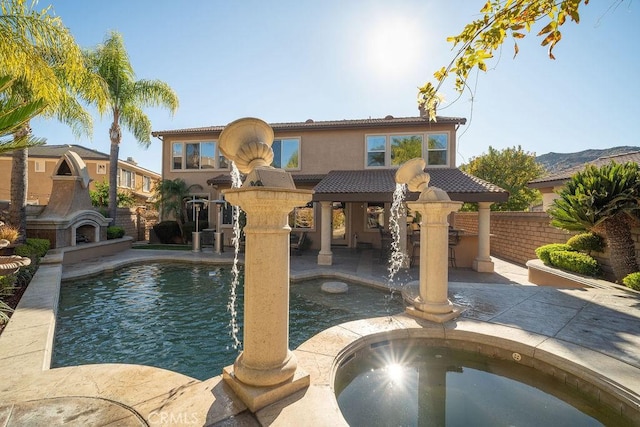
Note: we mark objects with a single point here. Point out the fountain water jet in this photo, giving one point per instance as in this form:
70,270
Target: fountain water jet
434,205
236,182
266,370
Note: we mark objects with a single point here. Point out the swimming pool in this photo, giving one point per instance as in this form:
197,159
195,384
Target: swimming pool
175,316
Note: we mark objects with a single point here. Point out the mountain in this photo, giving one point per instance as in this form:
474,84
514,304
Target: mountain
554,162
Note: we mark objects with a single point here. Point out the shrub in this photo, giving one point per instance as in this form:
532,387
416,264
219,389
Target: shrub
586,242
26,250
543,252
40,246
114,232
576,262
632,281
167,231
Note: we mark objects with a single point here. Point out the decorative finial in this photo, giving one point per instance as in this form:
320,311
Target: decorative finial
247,142
412,173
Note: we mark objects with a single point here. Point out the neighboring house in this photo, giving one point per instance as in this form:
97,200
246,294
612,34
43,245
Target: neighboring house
549,185
133,179
350,165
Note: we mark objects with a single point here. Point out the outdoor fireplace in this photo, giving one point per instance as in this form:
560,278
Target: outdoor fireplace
69,219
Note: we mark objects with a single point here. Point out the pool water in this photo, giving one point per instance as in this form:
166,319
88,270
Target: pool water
175,316
411,383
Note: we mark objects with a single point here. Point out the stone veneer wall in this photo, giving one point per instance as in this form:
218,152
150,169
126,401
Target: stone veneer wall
136,222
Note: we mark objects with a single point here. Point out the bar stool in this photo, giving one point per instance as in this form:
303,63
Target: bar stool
454,239
415,247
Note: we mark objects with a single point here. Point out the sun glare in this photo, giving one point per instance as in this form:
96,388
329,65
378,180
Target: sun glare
394,46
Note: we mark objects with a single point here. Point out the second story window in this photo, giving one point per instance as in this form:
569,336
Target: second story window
146,184
437,149
127,179
197,156
394,150
376,150
405,147
286,153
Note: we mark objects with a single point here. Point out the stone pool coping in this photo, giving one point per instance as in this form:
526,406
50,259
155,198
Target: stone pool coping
139,395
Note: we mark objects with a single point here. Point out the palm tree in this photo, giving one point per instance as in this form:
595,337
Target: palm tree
170,200
606,200
127,97
14,114
48,67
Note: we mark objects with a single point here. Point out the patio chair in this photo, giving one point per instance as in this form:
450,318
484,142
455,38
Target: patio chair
297,243
454,239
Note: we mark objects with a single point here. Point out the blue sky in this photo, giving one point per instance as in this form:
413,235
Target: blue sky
336,59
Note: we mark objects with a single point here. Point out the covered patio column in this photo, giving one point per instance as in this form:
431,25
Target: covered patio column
325,257
483,263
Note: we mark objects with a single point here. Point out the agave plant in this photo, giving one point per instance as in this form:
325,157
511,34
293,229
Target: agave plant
603,200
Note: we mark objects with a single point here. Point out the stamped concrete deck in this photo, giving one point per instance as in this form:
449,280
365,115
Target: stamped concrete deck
592,334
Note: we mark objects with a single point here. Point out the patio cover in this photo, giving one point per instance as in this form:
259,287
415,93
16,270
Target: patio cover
378,185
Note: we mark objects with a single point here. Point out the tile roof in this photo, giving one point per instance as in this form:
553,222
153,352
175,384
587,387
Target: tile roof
559,178
59,150
328,124
378,185
225,179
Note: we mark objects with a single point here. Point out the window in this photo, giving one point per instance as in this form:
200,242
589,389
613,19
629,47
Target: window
437,149
376,150
127,179
302,217
394,150
197,156
39,166
375,215
177,155
286,153
146,184
101,168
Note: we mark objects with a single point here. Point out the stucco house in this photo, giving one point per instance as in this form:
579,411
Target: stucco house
133,179
550,184
350,165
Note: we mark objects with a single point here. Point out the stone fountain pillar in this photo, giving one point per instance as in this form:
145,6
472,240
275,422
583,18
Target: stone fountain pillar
266,370
434,205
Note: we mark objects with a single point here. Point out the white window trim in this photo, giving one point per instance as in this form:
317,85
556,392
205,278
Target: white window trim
299,138
132,184
145,180
386,150
425,148
183,169
39,165
104,168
